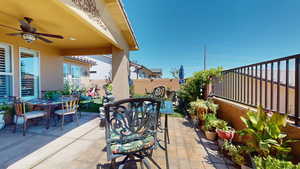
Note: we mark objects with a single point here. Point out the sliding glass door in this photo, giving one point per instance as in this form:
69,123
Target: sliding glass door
29,74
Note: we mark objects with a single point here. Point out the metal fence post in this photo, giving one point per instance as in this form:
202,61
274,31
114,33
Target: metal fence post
297,87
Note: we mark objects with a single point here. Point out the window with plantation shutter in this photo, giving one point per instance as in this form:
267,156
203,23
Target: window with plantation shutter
5,71
30,74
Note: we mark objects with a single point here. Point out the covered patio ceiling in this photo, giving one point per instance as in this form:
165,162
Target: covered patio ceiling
52,16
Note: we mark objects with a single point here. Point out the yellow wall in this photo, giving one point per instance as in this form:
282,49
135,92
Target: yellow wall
51,68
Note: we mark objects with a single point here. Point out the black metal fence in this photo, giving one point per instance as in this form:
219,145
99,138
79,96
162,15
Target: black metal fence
273,84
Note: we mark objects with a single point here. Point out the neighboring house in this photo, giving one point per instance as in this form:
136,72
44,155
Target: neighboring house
27,69
138,71
102,68
76,70
156,73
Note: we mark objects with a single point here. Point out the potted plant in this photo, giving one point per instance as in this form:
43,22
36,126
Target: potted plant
52,95
236,153
211,106
272,163
266,133
211,123
7,112
224,131
197,111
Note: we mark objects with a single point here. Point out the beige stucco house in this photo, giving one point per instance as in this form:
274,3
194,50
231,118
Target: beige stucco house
138,71
89,27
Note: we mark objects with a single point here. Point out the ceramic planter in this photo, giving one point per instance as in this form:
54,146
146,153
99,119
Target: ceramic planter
210,135
226,135
2,122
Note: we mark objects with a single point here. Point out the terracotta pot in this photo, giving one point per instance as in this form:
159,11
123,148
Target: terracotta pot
245,167
210,135
227,135
202,128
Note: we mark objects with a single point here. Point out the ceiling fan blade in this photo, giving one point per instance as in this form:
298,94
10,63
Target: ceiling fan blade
14,34
9,27
44,39
49,35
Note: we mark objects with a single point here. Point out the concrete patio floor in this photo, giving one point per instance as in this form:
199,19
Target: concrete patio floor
84,148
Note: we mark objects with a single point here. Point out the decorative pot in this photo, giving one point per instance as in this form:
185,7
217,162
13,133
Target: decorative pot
210,135
227,135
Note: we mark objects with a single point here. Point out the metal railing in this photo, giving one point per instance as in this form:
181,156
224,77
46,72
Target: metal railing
274,84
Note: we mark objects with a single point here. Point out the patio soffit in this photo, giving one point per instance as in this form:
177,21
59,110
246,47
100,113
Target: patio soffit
66,18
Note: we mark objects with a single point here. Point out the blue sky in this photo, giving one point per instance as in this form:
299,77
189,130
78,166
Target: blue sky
236,32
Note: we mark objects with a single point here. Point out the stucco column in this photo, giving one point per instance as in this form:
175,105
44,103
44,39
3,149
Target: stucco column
120,73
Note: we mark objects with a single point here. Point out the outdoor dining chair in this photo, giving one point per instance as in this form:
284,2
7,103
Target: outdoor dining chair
68,108
20,109
131,131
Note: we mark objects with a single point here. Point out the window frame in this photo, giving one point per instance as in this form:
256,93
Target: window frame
39,69
12,73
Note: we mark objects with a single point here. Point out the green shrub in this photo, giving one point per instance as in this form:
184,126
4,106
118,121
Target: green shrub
52,95
266,132
192,89
211,122
236,152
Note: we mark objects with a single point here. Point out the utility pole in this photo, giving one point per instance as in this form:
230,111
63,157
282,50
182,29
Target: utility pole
204,57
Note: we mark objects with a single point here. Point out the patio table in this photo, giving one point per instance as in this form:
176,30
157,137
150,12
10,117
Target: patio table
49,105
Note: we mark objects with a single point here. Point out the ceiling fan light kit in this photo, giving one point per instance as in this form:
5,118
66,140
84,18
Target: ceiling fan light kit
28,37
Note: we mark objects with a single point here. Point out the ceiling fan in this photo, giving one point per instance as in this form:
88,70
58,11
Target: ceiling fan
29,33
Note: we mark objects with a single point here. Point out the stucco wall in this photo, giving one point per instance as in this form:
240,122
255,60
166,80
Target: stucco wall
232,112
141,84
51,68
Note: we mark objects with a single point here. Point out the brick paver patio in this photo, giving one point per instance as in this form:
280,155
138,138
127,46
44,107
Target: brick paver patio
188,150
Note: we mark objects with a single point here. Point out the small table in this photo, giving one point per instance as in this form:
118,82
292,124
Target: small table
49,105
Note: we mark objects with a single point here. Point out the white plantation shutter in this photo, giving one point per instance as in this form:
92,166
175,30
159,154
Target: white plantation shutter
5,71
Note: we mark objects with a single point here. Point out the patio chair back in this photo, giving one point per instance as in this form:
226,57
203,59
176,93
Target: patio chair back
71,105
159,92
19,108
134,118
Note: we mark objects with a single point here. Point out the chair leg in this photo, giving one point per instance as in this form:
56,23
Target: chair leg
62,121
15,129
148,166
113,164
24,126
77,119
